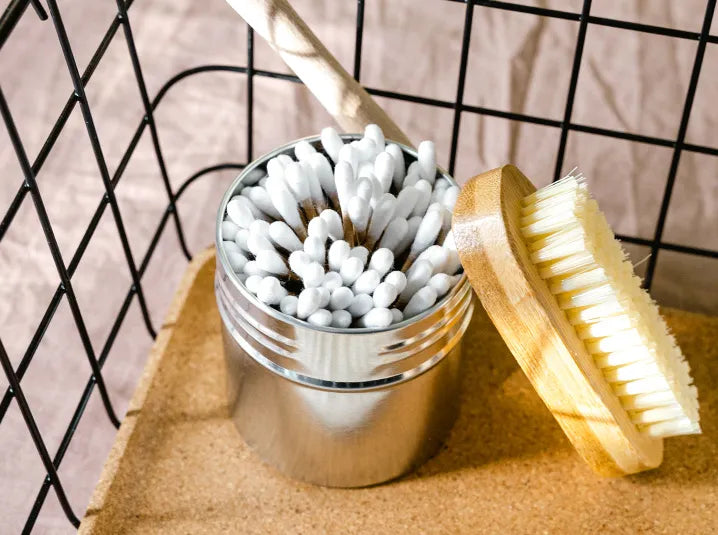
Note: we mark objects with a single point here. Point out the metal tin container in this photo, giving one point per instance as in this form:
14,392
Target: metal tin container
339,407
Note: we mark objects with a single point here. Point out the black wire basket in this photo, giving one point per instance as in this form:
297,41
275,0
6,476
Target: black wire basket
32,169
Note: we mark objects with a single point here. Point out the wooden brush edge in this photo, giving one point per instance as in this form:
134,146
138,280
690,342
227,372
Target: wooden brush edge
536,330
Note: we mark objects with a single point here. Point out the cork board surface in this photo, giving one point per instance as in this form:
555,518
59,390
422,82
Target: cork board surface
179,466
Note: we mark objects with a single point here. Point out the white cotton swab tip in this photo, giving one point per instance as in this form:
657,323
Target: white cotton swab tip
313,275
384,170
360,252
303,150
422,300
361,304
359,212
321,318
436,255
298,261
314,247
239,213
229,230
258,242
384,295
272,262
367,282
399,168
341,319
332,281
375,133
318,227
331,142
427,161
282,234
427,232
441,283
397,279
394,234
288,305
376,318
236,259
252,283
338,253
341,298
350,270
406,201
324,296
334,224
397,315
382,260
270,291
308,302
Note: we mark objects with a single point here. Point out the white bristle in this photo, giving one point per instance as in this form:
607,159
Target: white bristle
585,267
427,161
394,234
331,142
399,167
334,224
303,150
281,234
341,319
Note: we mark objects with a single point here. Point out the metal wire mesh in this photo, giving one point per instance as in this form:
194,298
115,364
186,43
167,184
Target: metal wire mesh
31,169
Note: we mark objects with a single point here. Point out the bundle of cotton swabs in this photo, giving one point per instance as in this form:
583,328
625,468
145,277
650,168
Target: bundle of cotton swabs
347,237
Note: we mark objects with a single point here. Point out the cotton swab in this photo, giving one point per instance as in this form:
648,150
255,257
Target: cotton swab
325,175
367,282
393,234
361,304
254,176
272,262
346,189
286,205
298,261
332,281
236,259
324,296
338,253
259,196
288,305
365,148
427,161
341,319
312,275
359,213
341,298
350,155
360,252
396,279
331,142
334,224
252,283
321,318
384,295
416,278
350,270
270,291
241,239
412,227
399,168
364,188
441,283
281,234
381,261
303,150
376,318
383,213
315,188
239,213
318,227
384,170
252,268
426,235
422,300
299,187
308,302
424,198
375,133
397,315
314,247
406,201
229,230
436,255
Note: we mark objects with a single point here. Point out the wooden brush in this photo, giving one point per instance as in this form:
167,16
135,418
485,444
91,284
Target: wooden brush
555,282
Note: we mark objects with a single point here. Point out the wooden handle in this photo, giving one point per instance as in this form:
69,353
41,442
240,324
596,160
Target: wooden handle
536,330
342,96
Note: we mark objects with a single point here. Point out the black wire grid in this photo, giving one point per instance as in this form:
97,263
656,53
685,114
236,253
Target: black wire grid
31,169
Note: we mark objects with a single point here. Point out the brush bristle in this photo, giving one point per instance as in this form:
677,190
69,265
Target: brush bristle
586,269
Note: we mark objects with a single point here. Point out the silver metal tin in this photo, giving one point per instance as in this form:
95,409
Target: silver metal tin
339,407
